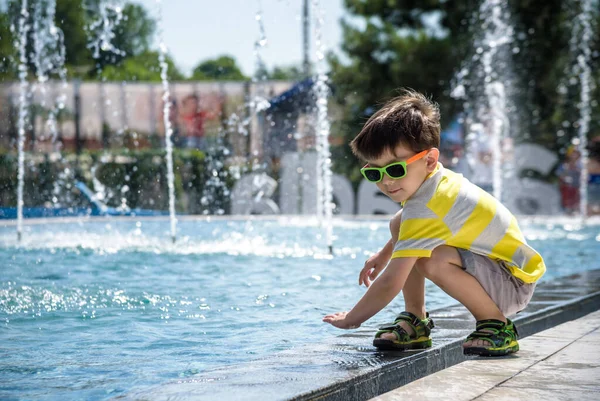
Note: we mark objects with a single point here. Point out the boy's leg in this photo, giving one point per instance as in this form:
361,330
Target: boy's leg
414,301
414,294
444,268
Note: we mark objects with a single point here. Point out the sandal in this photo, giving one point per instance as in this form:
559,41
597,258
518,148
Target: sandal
502,336
419,340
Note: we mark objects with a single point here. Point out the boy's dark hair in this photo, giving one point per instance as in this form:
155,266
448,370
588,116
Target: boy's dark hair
411,120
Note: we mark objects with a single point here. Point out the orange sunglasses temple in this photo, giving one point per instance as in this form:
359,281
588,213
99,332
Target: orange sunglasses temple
417,156
412,159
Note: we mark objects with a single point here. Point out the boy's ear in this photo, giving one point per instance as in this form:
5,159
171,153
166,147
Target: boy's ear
432,159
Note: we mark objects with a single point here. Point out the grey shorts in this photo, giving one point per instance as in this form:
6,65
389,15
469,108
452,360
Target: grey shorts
509,293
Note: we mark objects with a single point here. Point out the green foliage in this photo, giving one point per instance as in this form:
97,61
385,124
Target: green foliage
71,19
391,44
7,50
223,68
137,176
133,36
548,101
289,73
143,67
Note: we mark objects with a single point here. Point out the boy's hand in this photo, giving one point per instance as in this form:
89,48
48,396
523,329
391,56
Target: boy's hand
339,320
373,266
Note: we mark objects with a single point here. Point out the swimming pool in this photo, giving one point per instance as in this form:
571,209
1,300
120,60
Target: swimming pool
94,309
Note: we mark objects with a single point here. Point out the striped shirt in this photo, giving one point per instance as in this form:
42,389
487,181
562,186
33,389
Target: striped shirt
448,209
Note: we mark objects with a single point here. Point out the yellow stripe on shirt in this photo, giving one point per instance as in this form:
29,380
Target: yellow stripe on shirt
448,202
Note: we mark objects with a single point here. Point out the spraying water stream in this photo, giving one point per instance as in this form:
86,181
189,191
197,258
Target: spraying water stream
164,69
324,186
582,41
23,88
49,57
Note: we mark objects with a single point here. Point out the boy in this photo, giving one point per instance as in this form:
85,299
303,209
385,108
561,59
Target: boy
449,231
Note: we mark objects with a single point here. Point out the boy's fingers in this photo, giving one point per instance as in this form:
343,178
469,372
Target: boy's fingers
362,278
376,271
330,318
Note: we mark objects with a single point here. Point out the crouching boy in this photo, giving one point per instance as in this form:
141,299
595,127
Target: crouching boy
449,231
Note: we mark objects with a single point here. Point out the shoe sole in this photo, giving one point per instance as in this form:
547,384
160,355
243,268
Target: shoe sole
480,351
391,345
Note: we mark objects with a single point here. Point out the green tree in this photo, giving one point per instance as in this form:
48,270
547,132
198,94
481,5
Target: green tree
143,67
393,44
7,49
423,44
222,68
548,98
289,73
71,19
133,35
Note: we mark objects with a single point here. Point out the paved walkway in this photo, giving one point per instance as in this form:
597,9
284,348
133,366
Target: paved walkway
561,363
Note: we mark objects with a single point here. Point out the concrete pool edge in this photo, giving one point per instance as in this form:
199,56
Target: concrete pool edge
396,374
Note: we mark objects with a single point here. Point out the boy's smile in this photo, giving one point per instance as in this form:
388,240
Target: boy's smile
400,190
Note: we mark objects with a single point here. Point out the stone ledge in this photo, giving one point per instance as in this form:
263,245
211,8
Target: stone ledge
406,370
560,363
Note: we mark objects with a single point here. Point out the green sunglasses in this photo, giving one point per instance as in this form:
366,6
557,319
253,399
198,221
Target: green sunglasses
394,170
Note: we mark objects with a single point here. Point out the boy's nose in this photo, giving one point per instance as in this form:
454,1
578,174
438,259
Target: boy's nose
386,180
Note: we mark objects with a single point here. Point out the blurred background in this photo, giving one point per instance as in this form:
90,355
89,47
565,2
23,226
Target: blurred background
82,78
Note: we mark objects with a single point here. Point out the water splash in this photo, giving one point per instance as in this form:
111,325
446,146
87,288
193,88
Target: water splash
116,240
261,43
497,33
61,188
488,83
102,29
324,188
23,89
49,57
259,101
164,69
215,185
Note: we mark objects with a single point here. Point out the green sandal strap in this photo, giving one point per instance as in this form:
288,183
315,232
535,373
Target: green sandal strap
497,332
401,334
421,328
414,320
493,324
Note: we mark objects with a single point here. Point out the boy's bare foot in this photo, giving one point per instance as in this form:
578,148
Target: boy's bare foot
492,337
478,343
392,336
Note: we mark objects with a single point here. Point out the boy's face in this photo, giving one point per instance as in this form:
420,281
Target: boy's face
399,190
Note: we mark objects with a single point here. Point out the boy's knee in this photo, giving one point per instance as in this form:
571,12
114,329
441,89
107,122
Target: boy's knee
433,267
426,266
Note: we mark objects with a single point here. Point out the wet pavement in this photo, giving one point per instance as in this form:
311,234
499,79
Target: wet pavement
348,367
561,363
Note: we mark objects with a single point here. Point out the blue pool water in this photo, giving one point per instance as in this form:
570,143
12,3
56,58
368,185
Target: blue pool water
91,310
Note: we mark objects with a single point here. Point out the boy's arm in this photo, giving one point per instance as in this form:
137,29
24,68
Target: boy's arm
376,263
379,294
